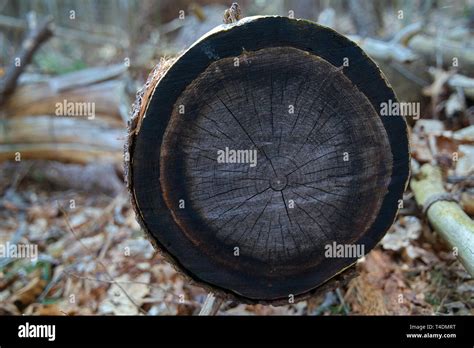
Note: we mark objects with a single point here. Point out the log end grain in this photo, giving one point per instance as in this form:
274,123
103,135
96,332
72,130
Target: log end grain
258,149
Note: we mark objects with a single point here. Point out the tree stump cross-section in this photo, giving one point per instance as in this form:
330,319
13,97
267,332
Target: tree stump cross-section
258,150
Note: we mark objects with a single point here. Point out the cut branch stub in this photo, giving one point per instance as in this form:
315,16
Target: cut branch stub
259,151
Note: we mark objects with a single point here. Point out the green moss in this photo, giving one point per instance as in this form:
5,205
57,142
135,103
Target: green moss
52,63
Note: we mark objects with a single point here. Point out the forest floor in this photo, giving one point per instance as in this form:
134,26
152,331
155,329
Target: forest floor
92,258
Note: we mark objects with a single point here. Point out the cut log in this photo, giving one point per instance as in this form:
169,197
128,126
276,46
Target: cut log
447,217
258,152
42,99
77,117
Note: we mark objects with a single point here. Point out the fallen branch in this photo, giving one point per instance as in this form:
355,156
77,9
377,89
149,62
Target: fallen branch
394,49
463,82
452,80
447,217
428,47
33,41
383,50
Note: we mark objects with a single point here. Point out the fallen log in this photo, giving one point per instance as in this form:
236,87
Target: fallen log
446,216
101,88
321,168
94,177
77,117
61,138
430,48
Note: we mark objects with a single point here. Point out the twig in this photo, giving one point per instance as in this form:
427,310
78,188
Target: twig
50,285
95,224
408,32
211,305
125,282
341,300
105,248
20,175
33,41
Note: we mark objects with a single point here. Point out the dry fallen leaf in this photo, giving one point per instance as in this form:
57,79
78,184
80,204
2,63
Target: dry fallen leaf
465,164
467,202
402,233
29,293
118,303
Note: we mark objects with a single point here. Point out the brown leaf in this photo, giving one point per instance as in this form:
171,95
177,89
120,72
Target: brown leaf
29,293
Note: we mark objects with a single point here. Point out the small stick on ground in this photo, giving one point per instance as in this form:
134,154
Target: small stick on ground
211,305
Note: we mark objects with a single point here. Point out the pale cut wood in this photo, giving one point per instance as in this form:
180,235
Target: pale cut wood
68,139
299,194
211,305
69,153
448,218
42,99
